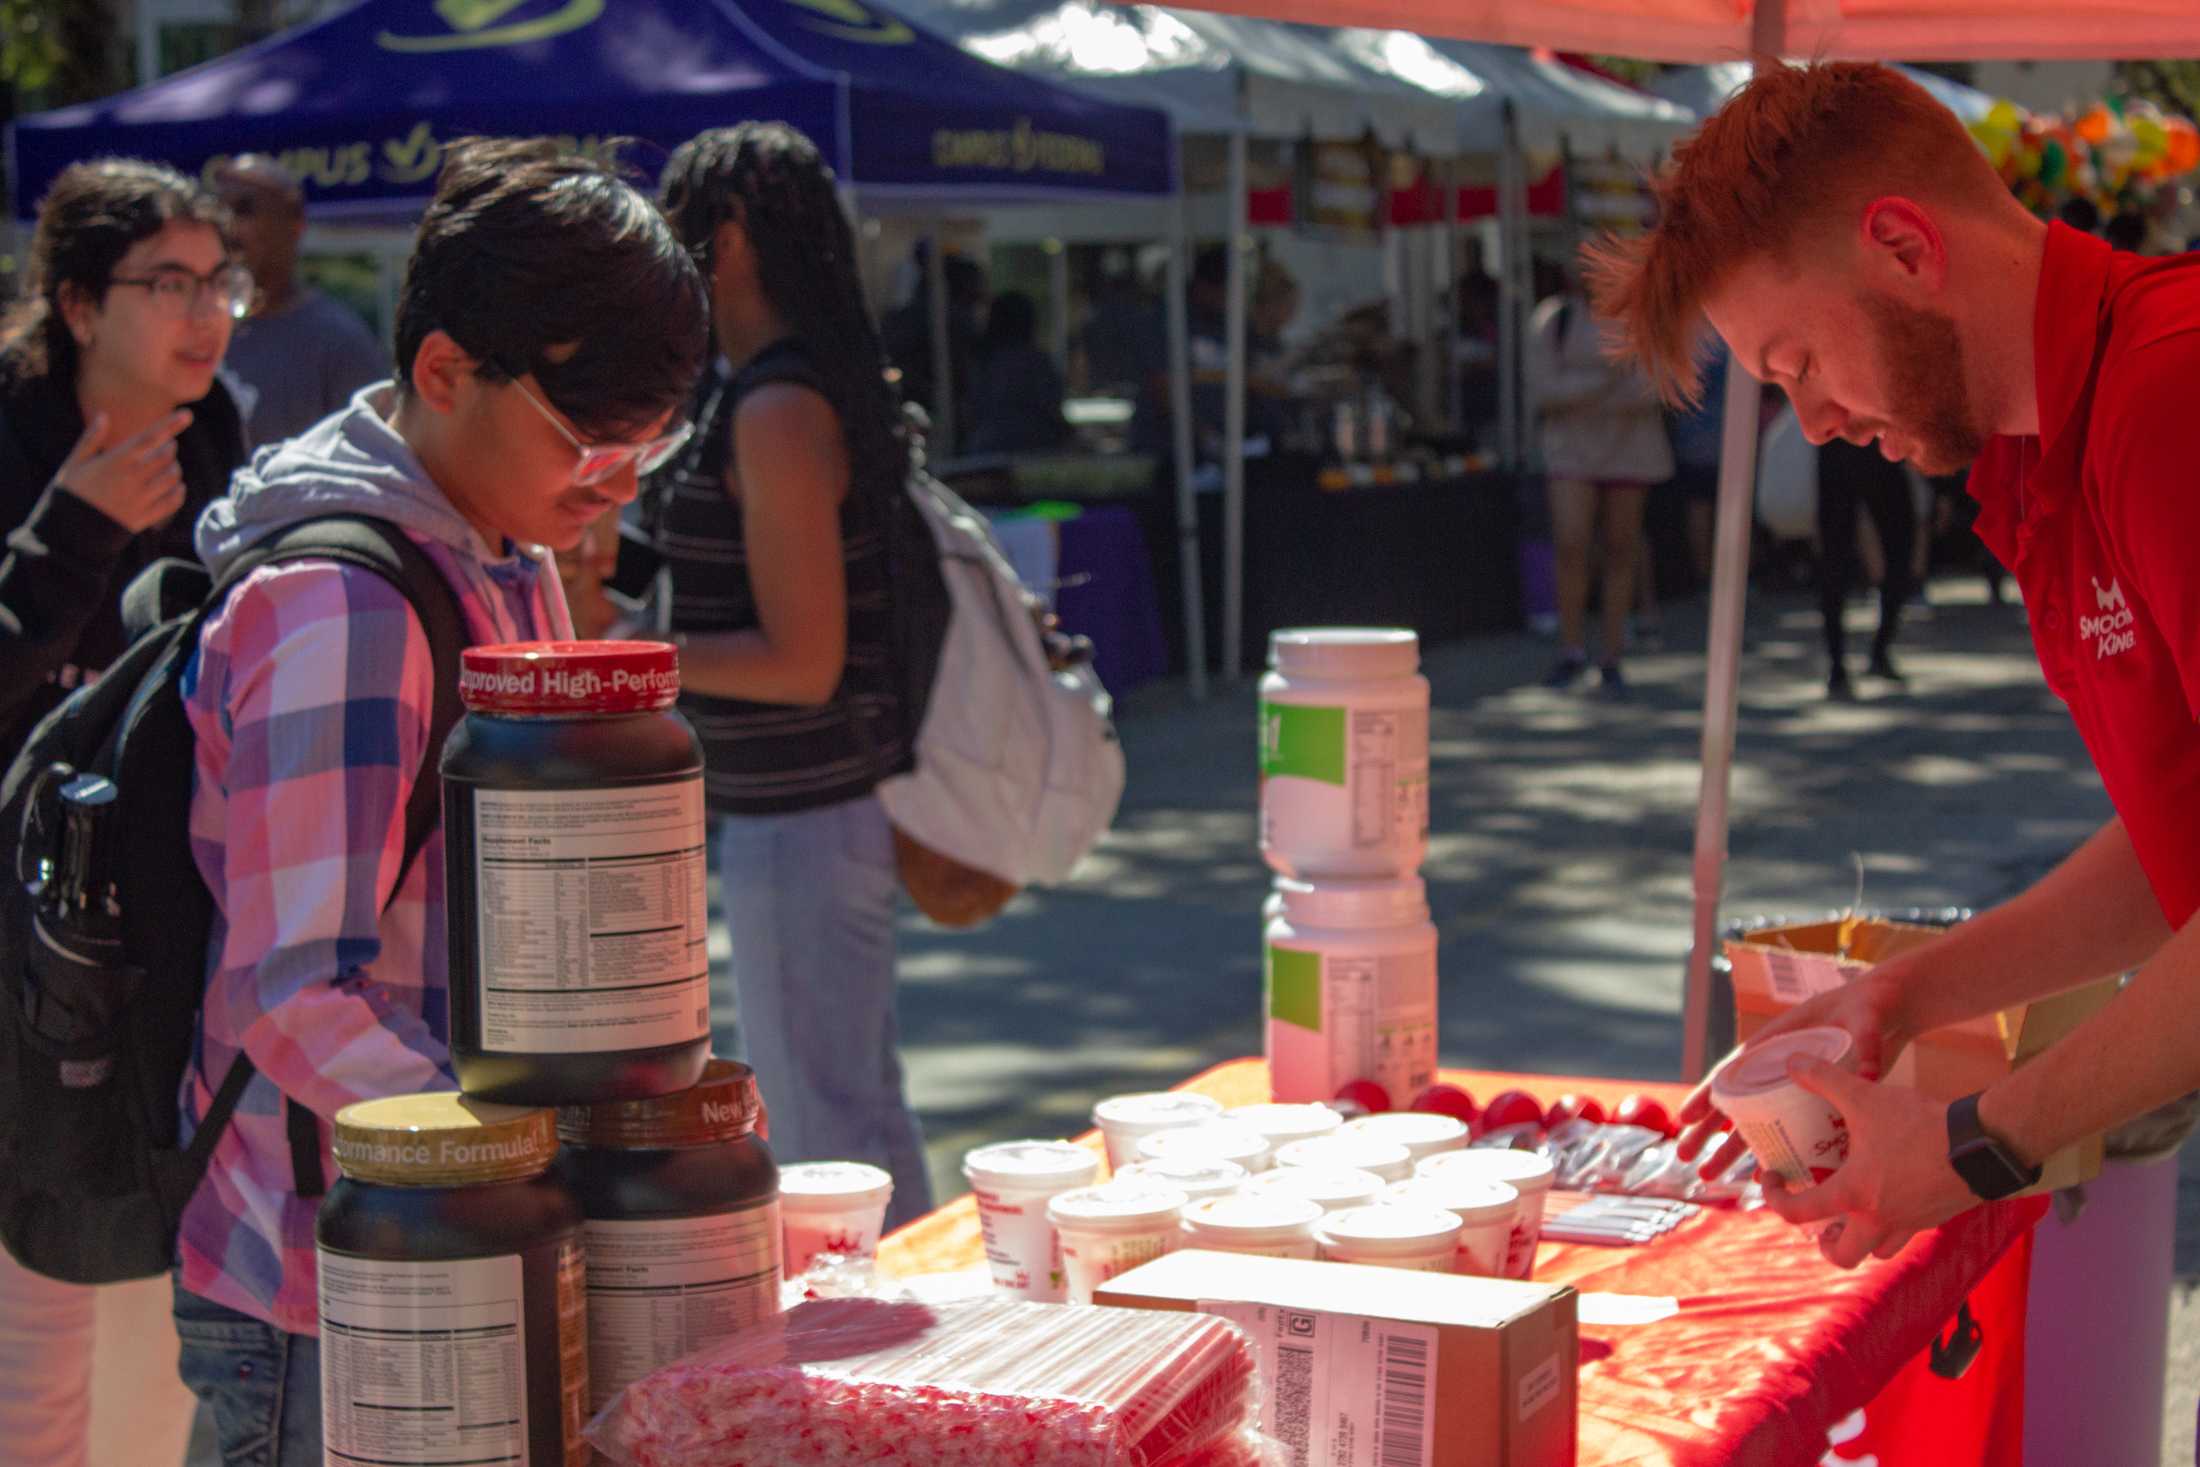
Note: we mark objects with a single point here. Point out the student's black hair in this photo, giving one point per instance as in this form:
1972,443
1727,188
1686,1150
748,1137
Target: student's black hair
771,179
87,222
1012,321
535,260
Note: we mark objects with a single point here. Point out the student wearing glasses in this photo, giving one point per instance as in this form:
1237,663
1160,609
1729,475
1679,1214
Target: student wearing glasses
549,333
114,433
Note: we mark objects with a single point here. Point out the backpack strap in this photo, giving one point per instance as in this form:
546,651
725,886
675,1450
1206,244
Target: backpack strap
378,546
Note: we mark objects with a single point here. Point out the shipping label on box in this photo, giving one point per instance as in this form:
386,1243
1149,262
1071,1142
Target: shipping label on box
1384,1367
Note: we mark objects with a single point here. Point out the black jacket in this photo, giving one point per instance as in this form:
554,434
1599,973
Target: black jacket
67,563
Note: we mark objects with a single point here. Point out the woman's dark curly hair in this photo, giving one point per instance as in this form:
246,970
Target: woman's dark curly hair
87,222
771,180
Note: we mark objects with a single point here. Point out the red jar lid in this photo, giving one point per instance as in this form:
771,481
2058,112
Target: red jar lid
570,679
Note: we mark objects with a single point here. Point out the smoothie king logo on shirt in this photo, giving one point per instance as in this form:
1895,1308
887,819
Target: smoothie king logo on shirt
2112,633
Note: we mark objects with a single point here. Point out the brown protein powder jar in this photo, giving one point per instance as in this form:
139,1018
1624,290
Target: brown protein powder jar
681,1202
452,1293
574,845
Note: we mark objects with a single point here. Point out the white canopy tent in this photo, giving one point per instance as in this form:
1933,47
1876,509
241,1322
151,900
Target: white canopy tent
1701,89
1717,31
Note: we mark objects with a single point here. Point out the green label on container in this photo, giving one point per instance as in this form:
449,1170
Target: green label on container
1307,743
1295,987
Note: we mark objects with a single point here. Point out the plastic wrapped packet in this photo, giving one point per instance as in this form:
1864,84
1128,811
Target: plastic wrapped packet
1521,1137
994,1383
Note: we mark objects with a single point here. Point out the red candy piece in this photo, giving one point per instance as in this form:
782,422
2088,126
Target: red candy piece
1510,1108
1573,1108
1447,1100
1366,1094
1641,1110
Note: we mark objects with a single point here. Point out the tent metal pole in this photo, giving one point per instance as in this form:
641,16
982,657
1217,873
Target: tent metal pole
1058,289
1180,446
1723,663
1508,303
943,356
1454,414
1233,425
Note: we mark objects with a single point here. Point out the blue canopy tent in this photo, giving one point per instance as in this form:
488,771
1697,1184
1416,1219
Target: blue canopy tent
360,105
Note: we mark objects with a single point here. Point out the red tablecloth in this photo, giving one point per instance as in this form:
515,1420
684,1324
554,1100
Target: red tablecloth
1771,1346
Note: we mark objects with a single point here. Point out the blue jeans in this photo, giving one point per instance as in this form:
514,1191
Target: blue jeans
810,908
262,1384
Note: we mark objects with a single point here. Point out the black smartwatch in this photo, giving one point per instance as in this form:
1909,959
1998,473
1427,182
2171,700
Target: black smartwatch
1987,1167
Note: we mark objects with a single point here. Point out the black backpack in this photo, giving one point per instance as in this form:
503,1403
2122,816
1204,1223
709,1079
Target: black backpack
104,929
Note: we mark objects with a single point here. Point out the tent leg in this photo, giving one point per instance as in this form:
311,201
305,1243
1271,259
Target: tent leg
1233,426
1058,288
1180,447
943,356
1722,692
1509,312
1452,282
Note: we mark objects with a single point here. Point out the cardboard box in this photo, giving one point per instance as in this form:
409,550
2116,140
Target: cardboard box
1368,1366
1776,968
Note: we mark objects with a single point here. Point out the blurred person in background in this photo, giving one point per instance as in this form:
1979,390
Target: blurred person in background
1016,395
774,526
1852,478
114,433
1603,437
300,353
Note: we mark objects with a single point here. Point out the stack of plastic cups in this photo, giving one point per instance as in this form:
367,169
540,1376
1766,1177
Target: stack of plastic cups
1349,959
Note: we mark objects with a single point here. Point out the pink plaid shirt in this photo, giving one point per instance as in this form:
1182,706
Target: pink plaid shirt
310,699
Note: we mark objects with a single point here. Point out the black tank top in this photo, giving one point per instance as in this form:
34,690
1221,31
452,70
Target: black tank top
773,758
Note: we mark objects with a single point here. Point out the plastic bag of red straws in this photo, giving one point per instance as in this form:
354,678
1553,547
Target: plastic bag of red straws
1007,1383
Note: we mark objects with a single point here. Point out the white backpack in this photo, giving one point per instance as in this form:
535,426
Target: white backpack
1018,771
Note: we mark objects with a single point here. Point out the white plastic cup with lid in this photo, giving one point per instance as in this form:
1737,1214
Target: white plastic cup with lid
1283,1124
1335,1188
1209,1141
1386,1159
1126,1120
1486,1213
1421,1133
1390,1235
1113,1228
1792,1133
832,1207
1525,1172
1013,1182
1267,1225
1196,1177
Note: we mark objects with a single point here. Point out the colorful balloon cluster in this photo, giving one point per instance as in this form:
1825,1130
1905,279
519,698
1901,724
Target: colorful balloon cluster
2117,154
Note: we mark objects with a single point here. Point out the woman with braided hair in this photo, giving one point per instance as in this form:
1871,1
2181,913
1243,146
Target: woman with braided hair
773,527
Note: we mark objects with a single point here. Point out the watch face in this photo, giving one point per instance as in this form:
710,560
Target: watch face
1988,1170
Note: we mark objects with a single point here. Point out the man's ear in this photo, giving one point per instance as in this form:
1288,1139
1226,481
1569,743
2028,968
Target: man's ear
1901,239
440,370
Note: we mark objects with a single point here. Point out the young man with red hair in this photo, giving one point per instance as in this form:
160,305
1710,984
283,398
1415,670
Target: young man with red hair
1842,234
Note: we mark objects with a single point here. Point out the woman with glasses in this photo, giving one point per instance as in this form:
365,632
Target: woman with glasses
114,433
773,524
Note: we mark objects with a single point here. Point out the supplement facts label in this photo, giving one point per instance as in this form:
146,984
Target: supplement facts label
1380,1022
1343,1391
661,1289
593,928
1389,777
422,1364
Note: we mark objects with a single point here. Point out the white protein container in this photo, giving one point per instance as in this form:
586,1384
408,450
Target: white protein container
1486,1213
1422,1134
1014,1181
1113,1228
1525,1172
1344,753
1386,1159
1208,1141
1390,1235
1790,1131
1335,1188
1126,1120
1283,1124
1272,1227
1349,969
1197,1177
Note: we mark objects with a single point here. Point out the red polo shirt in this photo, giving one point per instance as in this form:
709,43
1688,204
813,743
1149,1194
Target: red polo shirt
2099,518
